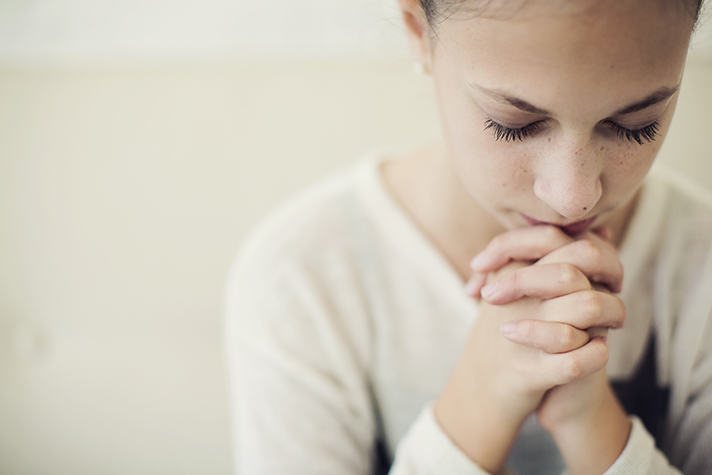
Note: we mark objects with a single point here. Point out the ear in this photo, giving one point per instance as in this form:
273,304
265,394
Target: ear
418,31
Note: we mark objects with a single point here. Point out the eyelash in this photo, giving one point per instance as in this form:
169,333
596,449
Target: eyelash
500,132
507,134
647,133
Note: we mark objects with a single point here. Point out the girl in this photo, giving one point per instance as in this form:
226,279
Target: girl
449,312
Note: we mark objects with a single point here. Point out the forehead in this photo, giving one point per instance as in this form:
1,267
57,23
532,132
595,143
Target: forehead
609,45
523,9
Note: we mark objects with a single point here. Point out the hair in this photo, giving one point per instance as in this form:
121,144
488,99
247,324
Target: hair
438,10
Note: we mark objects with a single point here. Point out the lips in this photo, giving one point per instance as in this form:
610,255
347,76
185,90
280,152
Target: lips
570,229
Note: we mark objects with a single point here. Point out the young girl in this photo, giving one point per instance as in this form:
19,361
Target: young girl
449,312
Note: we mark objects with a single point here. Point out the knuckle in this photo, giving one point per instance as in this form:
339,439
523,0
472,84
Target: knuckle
497,243
590,304
603,355
567,274
529,330
600,357
566,335
572,368
551,232
514,278
589,250
622,312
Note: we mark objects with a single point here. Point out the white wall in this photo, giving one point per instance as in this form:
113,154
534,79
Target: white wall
101,30
127,183
124,194
80,30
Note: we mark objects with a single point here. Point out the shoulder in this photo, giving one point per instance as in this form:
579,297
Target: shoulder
684,196
682,255
678,212
687,227
292,293
312,239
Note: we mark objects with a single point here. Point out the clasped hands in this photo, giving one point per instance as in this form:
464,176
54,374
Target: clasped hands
539,342
553,293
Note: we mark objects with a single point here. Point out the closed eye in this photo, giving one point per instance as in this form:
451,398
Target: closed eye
642,135
509,134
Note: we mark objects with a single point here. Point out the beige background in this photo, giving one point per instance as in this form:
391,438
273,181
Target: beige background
125,189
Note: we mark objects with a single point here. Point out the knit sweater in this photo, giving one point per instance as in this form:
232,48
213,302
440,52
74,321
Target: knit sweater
343,324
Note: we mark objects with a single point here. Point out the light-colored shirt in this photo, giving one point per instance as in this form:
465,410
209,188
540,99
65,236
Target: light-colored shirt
344,323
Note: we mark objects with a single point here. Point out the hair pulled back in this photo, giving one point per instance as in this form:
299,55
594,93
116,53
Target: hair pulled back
437,10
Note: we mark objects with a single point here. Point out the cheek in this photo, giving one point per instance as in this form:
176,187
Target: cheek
478,159
626,168
493,170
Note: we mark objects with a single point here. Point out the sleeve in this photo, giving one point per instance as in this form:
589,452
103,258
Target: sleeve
640,456
691,441
300,397
427,450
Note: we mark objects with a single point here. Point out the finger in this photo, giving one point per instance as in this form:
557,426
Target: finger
478,279
597,260
540,281
605,232
584,309
567,367
475,283
594,332
521,244
551,337
601,237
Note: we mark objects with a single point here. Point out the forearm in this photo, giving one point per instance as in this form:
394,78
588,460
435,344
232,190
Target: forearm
592,442
476,426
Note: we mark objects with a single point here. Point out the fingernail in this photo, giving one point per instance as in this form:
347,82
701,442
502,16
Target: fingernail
488,291
605,340
477,261
508,327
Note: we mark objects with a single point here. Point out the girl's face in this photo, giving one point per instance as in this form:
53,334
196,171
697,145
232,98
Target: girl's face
556,116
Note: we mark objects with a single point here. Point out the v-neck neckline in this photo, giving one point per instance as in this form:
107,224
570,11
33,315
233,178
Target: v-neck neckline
406,237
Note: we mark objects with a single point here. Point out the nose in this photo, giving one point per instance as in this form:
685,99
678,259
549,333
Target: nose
570,181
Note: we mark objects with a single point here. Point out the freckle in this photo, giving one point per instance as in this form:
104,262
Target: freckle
549,140
585,208
602,149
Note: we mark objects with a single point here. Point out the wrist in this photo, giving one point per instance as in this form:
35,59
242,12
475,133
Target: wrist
592,441
483,426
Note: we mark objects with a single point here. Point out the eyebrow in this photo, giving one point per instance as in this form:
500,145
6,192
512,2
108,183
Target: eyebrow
656,97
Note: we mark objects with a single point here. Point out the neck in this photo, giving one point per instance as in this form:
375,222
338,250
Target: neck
428,189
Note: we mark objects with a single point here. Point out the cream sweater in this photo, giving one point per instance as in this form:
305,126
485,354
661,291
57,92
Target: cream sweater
344,323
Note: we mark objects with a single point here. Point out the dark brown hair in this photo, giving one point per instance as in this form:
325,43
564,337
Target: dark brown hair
438,10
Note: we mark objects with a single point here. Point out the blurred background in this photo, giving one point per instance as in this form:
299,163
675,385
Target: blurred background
139,142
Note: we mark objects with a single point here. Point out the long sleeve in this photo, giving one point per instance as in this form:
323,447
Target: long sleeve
427,450
300,396
691,437
691,441
640,456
